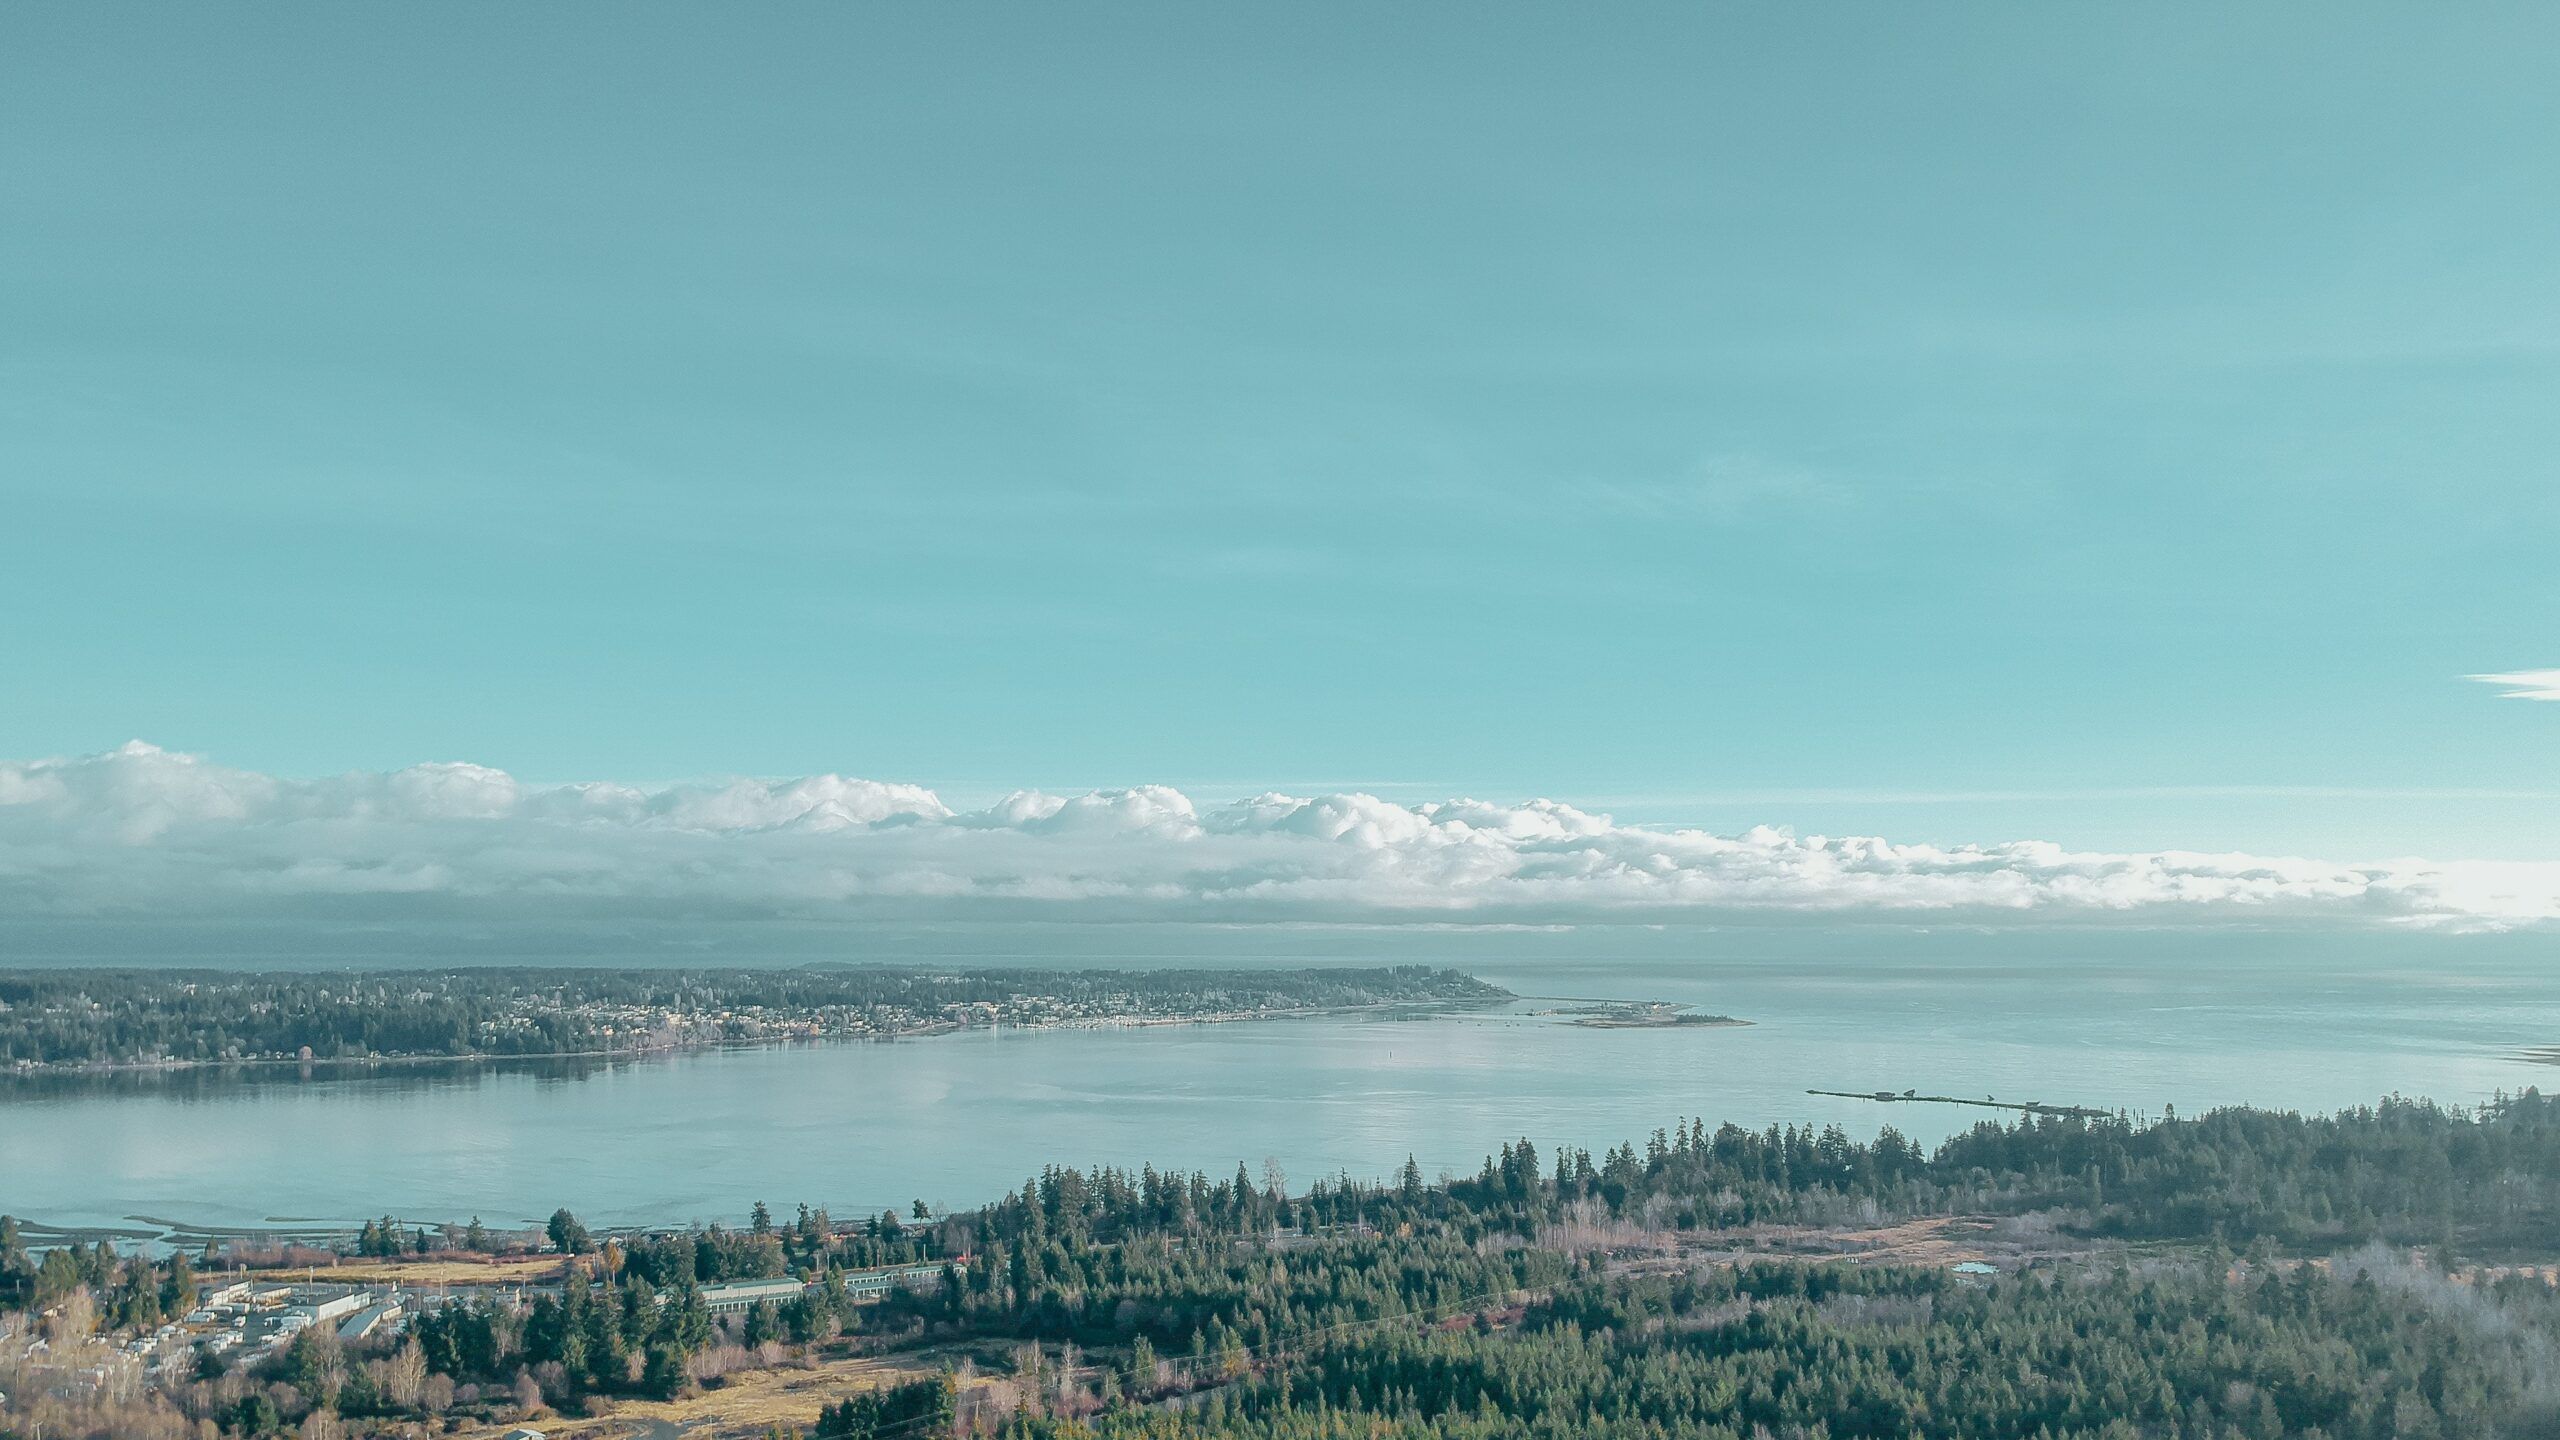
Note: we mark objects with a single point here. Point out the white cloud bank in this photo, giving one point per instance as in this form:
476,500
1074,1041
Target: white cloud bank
2524,684
141,831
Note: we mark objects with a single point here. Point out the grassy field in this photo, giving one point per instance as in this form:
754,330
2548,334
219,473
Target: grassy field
748,1403
445,1270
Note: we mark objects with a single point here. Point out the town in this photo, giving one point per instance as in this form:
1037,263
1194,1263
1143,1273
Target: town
76,1021
249,1320
375,1327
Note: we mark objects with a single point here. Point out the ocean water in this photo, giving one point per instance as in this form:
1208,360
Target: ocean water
2189,1022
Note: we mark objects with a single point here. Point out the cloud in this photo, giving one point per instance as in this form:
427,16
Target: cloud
2524,684
144,832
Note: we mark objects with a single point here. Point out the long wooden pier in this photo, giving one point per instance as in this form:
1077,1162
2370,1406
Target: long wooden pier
2023,1107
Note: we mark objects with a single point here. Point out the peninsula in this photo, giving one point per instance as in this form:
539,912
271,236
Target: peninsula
81,1020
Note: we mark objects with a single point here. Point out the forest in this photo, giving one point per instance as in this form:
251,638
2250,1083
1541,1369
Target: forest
2379,1272
68,1018
2165,1348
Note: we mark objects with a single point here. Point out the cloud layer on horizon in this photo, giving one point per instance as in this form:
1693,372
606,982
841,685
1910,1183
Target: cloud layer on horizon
144,831
2523,684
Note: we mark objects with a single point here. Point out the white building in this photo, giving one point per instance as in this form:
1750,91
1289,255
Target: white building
318,1310
371,1319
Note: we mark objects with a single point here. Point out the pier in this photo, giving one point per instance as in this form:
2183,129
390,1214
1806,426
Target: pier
2023,1107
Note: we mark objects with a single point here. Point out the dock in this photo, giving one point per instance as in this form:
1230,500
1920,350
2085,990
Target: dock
1987,1102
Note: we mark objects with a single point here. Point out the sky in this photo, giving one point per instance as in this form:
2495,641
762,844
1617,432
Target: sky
1975,426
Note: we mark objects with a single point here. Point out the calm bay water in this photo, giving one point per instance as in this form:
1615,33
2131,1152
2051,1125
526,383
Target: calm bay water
955,1119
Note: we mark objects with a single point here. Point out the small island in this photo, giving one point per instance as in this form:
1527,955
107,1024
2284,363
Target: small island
1644,1015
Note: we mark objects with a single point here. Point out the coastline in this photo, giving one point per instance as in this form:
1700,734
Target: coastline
34,1071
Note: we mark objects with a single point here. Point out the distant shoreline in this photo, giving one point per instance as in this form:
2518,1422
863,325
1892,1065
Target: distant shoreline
75,1069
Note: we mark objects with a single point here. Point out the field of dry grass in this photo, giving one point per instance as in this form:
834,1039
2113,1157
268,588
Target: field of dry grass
2006,1242
425,1272
749,1403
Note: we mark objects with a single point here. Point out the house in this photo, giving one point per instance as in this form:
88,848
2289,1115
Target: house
523,1432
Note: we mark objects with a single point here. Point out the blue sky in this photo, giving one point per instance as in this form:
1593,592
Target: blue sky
1962,423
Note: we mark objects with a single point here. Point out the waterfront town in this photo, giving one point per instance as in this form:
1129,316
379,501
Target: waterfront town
297,1339
58,1022
249,1320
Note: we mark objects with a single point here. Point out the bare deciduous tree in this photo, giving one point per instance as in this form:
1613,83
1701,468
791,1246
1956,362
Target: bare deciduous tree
71,1321
404,1376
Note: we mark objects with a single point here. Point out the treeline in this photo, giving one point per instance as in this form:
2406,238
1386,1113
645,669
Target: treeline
131,1017
2405,1171
807,1247
2167,1351
626,1338
1111,1258
1483,1308
638,1325
918,1407
621,1339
